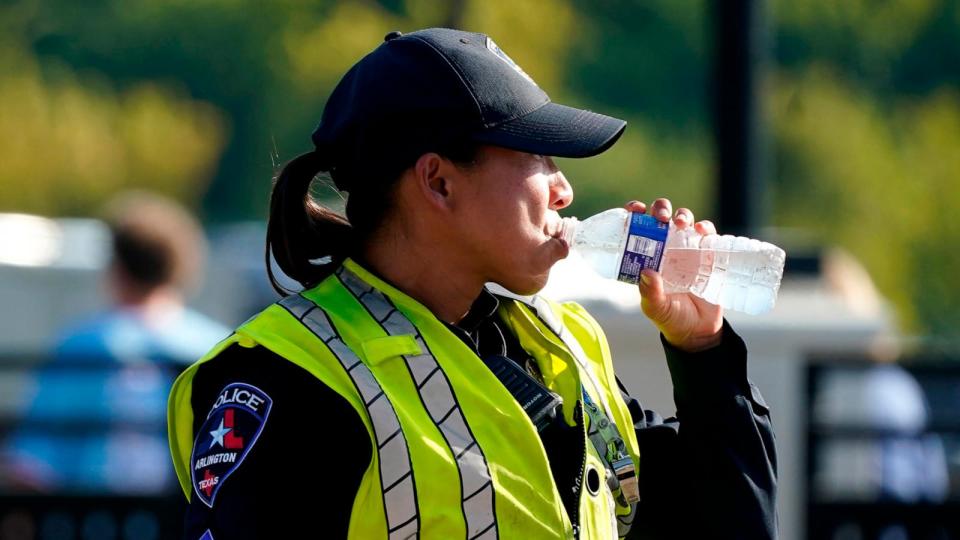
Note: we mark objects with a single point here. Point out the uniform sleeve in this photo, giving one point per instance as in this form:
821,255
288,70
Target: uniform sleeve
277,453
709,472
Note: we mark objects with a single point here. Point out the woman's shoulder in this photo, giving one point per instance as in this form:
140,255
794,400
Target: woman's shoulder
271,391
257,366
256,415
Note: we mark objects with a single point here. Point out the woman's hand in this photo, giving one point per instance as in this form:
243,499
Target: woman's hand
686,321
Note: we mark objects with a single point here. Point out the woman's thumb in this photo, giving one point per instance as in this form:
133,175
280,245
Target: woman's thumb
652,297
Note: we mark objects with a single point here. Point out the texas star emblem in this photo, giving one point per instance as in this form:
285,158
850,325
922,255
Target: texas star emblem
232,427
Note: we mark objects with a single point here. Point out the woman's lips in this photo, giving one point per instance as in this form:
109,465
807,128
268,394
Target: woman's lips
554,231
563,245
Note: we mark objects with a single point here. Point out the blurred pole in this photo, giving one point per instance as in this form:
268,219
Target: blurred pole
740,46
455,12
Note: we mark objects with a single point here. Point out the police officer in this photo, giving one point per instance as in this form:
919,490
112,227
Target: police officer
397,396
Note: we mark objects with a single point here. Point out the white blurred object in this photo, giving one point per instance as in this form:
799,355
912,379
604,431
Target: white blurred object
894,459
882,397
38,241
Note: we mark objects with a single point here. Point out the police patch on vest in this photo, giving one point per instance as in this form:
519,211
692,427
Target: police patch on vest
232,427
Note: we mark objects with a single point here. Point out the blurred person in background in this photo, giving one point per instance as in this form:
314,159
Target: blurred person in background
158,254
899,459
397,396
96,422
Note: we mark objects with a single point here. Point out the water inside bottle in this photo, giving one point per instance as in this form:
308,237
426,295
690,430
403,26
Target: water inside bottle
740,280
739,273
681,268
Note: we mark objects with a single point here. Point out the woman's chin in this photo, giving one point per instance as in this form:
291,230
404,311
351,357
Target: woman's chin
527,285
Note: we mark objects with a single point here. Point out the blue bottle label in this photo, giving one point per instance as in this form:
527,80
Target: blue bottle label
644,249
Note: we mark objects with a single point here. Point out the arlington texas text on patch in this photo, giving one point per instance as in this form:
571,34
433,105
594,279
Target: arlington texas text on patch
232,427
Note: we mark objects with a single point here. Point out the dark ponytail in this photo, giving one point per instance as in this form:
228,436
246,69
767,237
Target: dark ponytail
301,230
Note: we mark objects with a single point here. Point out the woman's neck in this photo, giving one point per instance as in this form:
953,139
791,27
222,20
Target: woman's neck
433,277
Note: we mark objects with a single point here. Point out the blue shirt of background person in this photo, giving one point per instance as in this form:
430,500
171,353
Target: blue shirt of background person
96,423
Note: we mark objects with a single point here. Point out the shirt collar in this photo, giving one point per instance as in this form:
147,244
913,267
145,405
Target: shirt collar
482,309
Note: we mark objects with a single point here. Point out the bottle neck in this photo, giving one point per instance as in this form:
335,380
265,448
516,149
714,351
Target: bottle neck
568,229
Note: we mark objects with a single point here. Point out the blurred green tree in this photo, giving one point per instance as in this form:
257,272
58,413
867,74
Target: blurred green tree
204,99
71,140
865,111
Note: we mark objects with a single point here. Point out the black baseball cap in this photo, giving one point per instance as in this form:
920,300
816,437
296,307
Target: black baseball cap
417,92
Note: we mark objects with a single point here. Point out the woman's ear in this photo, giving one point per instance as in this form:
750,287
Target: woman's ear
435,177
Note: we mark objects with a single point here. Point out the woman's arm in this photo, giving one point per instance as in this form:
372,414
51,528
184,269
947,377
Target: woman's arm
300,475
710,472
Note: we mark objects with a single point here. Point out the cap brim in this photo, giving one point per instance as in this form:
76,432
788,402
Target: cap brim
556,130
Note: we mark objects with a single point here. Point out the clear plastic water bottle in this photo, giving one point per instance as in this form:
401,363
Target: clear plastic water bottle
735,272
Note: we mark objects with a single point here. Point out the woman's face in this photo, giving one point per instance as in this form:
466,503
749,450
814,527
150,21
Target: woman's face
509,217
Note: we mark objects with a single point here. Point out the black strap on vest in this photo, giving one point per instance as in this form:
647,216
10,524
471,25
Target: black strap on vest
540,404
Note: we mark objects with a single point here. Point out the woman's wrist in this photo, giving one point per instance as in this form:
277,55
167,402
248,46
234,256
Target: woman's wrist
697,343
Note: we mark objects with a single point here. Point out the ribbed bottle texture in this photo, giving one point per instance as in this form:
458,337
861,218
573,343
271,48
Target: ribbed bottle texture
735,272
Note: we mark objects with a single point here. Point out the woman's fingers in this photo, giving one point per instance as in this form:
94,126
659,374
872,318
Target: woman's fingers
636,206
705,227
662,209
683,218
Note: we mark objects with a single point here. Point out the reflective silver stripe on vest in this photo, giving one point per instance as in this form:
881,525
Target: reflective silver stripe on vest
441,403
544,312
546,315
396,471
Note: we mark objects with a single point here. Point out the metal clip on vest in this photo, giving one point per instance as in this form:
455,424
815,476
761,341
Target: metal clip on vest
621,473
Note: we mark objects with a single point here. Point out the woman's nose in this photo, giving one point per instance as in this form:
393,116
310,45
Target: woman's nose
561,194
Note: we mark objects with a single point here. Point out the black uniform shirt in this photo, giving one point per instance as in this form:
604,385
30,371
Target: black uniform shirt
712,475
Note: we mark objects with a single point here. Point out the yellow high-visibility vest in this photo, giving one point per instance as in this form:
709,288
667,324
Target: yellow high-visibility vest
454,454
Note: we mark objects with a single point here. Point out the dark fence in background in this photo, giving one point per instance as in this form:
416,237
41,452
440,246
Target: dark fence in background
93,517
83,451
883,449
